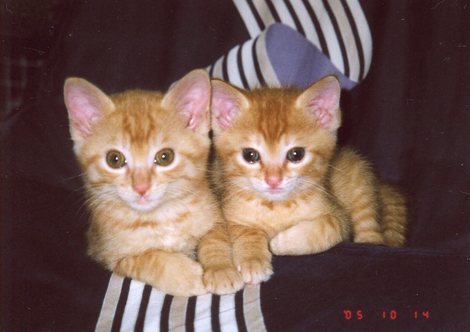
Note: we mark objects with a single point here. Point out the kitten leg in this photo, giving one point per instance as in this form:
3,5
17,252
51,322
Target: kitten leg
251,254
172,273
355,185
215,255
310,237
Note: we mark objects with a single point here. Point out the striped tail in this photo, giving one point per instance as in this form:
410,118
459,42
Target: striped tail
393,215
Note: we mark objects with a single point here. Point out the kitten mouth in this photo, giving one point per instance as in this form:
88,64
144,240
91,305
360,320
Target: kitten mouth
275,191
275,194
142,204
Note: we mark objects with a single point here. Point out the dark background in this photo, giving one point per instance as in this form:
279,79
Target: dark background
410,117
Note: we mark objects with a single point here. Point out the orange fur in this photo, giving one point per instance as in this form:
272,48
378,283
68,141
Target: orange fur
150,221
295,208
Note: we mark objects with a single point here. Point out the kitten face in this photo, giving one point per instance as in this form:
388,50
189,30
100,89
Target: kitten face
272,144
140,149
138,163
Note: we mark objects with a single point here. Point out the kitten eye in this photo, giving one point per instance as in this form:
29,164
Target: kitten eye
251,155
115,159
295,154
164,157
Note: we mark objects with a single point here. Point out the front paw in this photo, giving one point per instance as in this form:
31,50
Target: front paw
183,277
222,280
255,270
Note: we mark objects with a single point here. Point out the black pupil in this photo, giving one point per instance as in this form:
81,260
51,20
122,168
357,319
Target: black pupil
296,154
164,156
251,155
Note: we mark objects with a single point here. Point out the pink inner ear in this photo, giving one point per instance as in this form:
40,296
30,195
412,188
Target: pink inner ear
225,108
324,105
194,105
82,110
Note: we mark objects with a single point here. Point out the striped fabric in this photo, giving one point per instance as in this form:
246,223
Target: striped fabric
130,305
336,30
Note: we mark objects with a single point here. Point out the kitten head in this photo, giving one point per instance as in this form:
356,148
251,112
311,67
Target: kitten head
140,148
275,142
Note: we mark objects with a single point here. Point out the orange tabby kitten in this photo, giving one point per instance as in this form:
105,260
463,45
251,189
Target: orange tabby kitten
144,157
285,185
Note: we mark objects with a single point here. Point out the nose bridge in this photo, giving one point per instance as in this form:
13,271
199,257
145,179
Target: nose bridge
273,175
141,179
273,171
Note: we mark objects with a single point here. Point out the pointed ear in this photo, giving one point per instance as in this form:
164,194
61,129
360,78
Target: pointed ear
85,104
321,100
227,102
190,96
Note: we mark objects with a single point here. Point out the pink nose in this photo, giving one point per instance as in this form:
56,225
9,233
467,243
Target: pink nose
273,181
141,188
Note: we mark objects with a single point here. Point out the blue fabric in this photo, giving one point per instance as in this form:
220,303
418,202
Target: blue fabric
296,61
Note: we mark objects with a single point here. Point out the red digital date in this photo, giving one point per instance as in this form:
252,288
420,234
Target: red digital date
391,314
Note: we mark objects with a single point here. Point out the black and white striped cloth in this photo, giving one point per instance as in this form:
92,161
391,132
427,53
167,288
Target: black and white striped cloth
131,305
296,42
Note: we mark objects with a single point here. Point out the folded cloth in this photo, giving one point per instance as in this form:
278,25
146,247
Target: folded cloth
294,44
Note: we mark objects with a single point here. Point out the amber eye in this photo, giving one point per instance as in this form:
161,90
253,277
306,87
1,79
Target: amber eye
295,154
164,157
251,155
115,159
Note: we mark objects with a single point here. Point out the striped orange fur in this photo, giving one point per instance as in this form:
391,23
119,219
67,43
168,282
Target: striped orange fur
284,183
144,157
